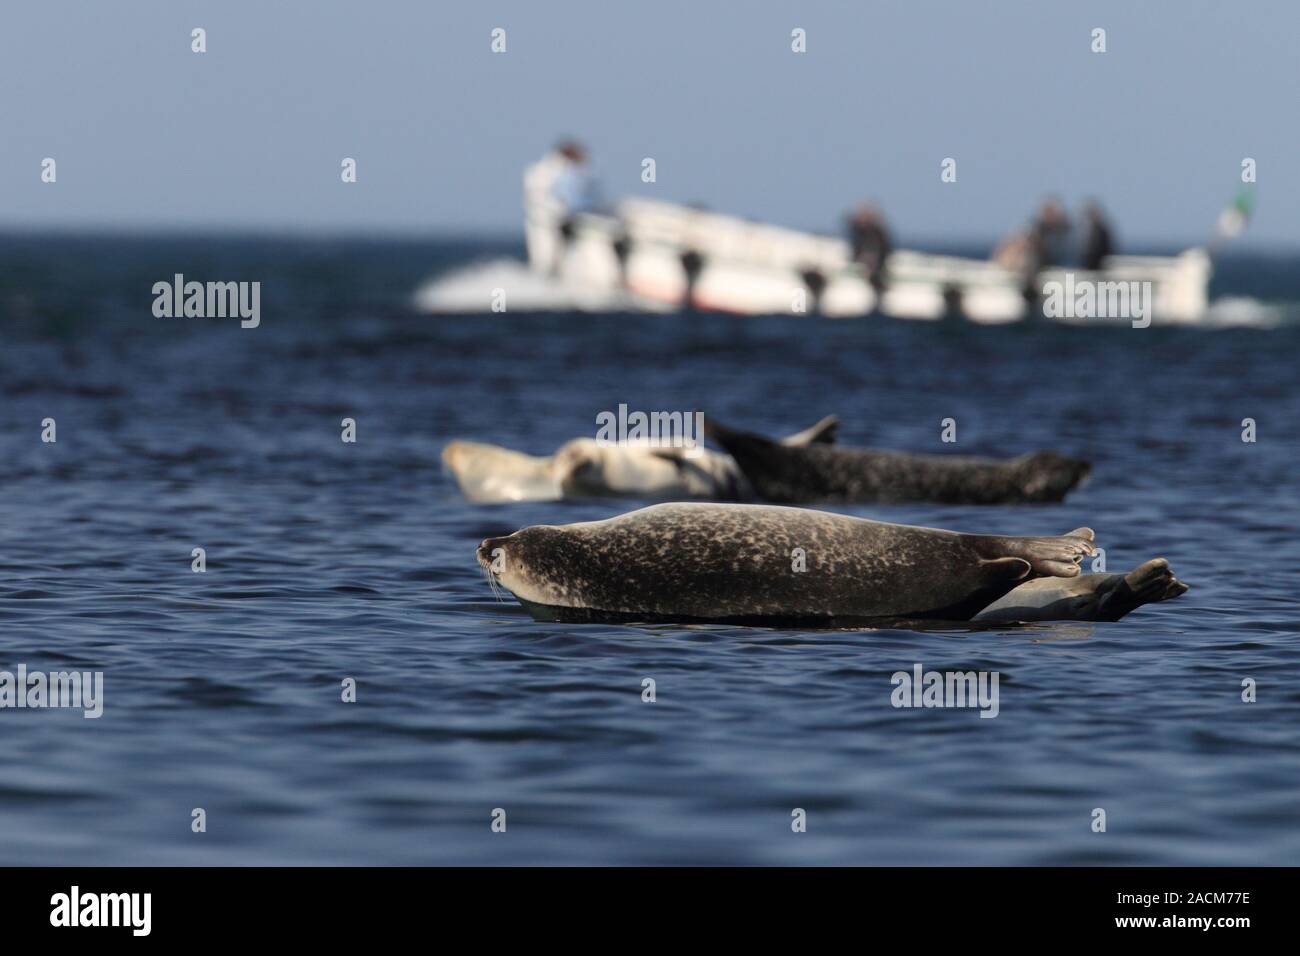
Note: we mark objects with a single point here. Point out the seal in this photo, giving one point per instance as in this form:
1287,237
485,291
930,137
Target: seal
588,469
820,473
492,474
585,468
1088,597
766,565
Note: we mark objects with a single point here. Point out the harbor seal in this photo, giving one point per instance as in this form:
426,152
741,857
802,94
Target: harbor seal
490,473
766,565
819,473
585,468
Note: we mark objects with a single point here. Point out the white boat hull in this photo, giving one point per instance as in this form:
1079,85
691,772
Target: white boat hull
636,260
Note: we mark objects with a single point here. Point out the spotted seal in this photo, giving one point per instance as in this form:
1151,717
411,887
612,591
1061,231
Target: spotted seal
766,565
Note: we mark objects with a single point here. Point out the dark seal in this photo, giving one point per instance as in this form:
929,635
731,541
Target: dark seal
834,473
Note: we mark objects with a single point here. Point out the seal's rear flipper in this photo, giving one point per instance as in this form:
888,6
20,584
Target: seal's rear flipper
775,472
1054,557
1086,597
1147,583
823,433
1154,577
737,443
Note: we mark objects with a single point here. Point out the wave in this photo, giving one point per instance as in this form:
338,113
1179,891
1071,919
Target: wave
1240,310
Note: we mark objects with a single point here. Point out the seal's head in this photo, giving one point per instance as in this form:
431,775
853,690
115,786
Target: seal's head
1087,597
489,473
1048,476
530,564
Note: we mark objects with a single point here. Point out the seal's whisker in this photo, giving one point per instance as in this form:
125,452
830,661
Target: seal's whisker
492,583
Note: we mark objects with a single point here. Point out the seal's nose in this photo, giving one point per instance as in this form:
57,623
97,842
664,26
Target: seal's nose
485,556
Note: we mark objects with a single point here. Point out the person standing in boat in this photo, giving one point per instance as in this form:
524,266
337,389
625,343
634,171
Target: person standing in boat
543,212
575,187
576,191
557,188
870,243
1039,245
1097,241
1044,245
1048,235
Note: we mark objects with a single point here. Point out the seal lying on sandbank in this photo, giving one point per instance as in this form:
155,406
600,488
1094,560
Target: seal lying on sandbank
774,566
866,475
585,468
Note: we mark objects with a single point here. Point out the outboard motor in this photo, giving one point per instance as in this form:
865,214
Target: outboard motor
692,265
815,282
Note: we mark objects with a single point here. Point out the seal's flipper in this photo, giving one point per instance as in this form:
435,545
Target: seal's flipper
776,472
670,454
679,458
1007,569
1054,557
823,433
1154,581
745,447
1149,576
725,436
1149,582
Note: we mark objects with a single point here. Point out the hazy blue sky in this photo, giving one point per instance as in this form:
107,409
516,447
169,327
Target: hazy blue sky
251,133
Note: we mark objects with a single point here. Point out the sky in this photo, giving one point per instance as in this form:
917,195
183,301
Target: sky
251,134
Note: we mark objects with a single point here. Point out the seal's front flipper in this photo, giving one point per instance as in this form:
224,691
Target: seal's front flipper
681,460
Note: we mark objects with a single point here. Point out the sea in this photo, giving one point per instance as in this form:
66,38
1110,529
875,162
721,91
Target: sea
331,681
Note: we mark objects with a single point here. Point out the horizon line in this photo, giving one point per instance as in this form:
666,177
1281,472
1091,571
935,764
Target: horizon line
503,236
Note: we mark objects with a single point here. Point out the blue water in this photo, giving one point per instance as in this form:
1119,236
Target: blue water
328,560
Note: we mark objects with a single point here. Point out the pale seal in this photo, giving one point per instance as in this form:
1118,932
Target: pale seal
585,468
829,474
766,565
490,473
